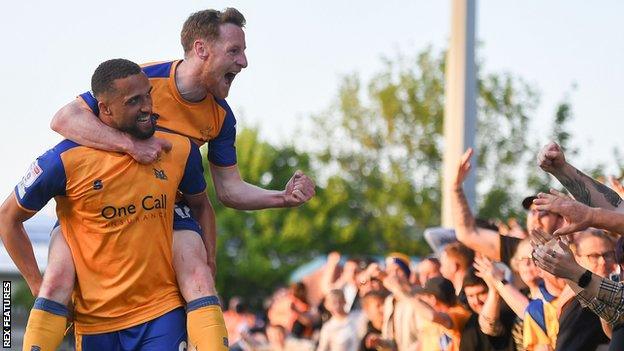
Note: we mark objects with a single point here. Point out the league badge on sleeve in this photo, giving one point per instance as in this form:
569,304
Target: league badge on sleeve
34,171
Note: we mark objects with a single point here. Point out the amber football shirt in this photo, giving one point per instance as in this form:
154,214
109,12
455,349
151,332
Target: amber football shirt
208,121
117,217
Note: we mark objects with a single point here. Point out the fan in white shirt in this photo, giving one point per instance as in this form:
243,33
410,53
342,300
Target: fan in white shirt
339,333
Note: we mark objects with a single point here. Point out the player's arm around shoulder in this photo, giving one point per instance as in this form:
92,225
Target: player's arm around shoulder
78,121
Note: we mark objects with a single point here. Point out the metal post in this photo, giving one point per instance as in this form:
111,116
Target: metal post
460,110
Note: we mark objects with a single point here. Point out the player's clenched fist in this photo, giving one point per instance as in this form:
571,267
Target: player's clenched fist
299,190
148,151
551,158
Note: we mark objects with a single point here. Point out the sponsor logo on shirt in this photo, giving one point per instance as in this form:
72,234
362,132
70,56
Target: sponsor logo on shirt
148,203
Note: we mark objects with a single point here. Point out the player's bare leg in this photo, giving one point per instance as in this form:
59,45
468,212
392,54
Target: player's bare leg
205,324
60,274
48,318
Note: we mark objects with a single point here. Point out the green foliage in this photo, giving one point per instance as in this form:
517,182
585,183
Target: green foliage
22,301
539,181
21,296
377,163
391,143
257,249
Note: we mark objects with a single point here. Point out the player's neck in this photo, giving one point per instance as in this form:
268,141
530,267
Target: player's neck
188,82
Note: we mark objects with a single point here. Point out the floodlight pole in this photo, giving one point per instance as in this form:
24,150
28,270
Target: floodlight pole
460,108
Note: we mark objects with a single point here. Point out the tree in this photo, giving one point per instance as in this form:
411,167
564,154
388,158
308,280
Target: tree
377,159
256,250
390,151
538,180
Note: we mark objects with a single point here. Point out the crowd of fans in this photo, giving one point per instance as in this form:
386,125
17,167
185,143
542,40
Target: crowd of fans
552,284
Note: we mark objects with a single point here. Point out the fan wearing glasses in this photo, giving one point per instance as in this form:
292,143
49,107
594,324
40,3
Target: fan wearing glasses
595,252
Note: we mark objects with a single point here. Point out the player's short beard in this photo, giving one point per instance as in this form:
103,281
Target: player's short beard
136,132
208,82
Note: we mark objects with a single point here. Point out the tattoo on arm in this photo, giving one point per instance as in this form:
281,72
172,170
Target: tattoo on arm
579,190
610,195
464,215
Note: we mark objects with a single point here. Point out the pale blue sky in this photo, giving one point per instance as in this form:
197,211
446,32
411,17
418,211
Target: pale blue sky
298,50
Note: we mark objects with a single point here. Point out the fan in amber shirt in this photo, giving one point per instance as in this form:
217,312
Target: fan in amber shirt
442,319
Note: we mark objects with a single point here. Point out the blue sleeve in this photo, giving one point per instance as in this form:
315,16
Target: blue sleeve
91,101
221,150
535,309
44,180
193,181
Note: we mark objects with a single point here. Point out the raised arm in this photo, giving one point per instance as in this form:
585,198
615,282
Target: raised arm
329,272
485,241
17,243
234,192
493,276
401,291
579,216
77,122
584,189
489,318
514,298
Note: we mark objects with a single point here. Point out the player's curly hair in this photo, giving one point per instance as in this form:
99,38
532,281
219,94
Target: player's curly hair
108,71
205,25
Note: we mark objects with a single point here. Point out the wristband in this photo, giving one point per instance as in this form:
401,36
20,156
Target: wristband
585,279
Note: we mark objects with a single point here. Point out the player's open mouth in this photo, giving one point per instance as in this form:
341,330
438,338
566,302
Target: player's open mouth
146,119
229,77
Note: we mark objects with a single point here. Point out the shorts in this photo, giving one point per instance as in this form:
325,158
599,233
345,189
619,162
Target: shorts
165,333
183,218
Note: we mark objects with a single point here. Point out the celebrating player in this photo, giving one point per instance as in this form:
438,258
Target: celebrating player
116,218
189,97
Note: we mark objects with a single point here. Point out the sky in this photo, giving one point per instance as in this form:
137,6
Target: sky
299,50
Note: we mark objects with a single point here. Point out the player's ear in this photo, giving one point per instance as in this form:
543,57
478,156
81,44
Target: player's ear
200,48
104,109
